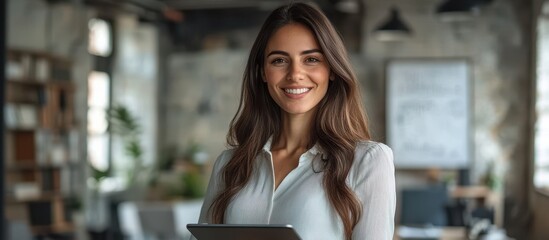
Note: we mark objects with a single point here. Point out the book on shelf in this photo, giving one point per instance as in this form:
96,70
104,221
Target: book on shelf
22,116
66,185
26,65
58,151
24,147
23,93
43,141
74,145
27,175
11,117
8,148
42,69
38,117
26,190
28,116
14,69
42,97
50,179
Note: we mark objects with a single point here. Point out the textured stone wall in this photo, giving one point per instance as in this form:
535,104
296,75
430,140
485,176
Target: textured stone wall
201,96
202,93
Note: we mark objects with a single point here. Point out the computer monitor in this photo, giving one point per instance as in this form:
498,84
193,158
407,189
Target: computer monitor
424,206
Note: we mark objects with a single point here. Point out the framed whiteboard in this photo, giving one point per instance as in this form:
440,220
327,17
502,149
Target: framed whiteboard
428,113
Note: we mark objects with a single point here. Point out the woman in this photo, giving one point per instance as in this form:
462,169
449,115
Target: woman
301,153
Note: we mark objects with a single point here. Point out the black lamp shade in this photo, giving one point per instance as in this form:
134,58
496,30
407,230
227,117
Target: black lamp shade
457,6
393,28
457,10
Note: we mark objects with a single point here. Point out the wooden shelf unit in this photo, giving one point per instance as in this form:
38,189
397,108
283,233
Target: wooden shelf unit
39,114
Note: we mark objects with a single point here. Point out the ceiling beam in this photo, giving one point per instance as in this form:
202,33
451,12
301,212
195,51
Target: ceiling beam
223,4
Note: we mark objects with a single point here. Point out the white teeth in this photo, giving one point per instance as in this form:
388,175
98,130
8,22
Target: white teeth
296,90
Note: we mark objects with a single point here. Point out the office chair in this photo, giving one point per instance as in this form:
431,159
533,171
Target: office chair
158,221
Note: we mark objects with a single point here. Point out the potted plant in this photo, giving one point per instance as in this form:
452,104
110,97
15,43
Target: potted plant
125,125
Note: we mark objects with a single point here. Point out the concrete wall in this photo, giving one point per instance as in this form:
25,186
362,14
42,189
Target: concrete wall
201,97
202,93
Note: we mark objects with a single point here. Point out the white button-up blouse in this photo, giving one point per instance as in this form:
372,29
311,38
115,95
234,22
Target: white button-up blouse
301,200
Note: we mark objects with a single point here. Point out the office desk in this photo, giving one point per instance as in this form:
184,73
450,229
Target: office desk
471,192
448,233
491,199
453,233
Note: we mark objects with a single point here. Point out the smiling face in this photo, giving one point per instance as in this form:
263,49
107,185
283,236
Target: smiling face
296,71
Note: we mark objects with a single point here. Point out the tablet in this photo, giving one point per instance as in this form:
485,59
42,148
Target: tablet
243,232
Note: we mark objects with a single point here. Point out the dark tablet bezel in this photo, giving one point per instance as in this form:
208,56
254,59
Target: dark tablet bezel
243,231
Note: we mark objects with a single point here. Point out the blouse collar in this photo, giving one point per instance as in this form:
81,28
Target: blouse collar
316,149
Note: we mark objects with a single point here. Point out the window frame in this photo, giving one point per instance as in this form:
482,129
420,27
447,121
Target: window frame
542,20
105,64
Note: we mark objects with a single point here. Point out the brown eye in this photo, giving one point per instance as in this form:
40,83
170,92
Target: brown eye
277,61
312,60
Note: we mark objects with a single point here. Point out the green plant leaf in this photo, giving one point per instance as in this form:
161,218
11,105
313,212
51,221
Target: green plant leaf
134,149
192,185
122,121
98,174
125,125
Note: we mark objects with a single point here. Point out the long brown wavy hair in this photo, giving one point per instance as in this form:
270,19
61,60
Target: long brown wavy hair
340,120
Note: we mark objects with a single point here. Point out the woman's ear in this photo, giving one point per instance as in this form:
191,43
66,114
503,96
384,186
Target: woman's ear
263,78
332,76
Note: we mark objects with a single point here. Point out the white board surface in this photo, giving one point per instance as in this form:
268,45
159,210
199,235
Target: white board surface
428,113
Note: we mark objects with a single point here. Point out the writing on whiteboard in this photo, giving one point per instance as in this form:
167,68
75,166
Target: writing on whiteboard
428,113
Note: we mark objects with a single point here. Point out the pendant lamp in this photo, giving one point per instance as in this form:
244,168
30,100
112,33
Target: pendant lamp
459,10
348,6
393,29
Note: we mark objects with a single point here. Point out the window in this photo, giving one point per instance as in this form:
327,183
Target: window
98,104
99,94
99,43
541,128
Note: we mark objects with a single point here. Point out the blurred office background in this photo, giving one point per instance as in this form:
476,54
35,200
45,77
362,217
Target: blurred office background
115,110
